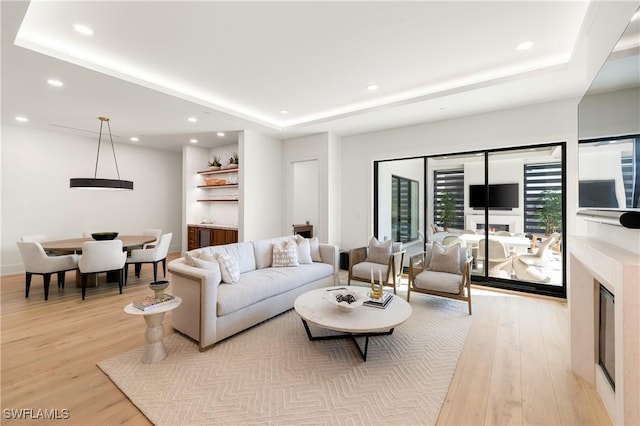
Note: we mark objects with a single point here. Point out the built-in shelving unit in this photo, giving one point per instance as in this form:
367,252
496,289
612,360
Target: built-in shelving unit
224,198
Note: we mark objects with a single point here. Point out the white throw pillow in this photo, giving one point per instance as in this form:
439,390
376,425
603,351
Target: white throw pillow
445,259
285,254
229,268
304,250
314,244
379,252
205,264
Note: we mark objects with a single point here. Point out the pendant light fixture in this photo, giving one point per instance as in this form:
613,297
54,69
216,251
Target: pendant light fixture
95,182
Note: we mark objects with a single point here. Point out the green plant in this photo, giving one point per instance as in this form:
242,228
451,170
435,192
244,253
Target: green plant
234,158
447,209
550,211
215,162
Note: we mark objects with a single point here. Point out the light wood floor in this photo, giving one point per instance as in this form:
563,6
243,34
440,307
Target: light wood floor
514,368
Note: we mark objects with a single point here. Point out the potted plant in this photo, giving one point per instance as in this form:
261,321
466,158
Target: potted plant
233,161
550,211
447,209
215,164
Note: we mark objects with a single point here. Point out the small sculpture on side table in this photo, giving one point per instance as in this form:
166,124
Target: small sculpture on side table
158,287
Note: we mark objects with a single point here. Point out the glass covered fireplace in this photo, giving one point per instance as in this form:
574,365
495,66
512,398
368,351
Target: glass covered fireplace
606,336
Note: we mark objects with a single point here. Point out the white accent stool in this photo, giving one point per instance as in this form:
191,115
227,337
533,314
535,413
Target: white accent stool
155,351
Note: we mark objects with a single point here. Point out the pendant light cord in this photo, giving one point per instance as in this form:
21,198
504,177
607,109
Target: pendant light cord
102,120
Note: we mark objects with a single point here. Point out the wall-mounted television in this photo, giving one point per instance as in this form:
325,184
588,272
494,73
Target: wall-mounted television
597,193
501,196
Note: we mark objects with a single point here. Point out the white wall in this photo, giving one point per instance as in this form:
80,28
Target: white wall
325,149
305,192
543,123
36,198
261,182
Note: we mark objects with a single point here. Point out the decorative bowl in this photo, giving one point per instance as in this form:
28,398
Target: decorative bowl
158,287
345,300
104,236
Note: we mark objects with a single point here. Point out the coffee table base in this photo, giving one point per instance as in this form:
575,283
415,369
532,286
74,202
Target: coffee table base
351,336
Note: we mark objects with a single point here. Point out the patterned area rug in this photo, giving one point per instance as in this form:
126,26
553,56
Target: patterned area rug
272,374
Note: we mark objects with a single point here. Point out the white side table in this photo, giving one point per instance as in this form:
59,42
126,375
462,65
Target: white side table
155,350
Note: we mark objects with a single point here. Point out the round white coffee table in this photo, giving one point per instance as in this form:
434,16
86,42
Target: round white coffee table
363,321
153,317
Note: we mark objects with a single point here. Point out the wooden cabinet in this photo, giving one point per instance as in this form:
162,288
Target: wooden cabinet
204,236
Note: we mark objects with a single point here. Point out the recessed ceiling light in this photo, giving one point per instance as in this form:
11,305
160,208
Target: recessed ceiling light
134,139
524,45
55,83
372,87
22,119
193,140
284,112
83,29
221,134
192,119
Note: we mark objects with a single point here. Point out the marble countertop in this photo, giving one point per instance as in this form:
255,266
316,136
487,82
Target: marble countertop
213,225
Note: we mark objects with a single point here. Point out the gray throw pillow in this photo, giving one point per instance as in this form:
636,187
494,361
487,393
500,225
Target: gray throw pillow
445,259
379,252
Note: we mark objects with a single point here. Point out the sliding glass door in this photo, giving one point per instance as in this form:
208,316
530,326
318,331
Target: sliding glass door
507,205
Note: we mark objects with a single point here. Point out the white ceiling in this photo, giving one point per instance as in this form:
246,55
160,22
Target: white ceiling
236,65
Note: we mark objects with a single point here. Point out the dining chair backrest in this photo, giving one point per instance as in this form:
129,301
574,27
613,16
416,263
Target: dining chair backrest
452,239
100,256
37,238
502,234
469,232
33,255
152,232
163,245
497,250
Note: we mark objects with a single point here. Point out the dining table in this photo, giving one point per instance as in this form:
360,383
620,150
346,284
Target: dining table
74,245
520,245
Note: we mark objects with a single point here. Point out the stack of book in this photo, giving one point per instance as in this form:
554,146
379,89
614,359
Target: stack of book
379,303
150,302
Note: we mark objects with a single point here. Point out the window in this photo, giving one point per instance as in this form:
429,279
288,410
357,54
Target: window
404,209
540,180
449,185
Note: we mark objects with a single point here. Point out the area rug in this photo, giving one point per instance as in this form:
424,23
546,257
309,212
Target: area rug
272,374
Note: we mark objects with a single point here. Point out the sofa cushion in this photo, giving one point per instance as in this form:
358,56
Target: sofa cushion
263,251
285,254
314,244
363,270
229,268
261,284
304,250
242,251
205,264
439,281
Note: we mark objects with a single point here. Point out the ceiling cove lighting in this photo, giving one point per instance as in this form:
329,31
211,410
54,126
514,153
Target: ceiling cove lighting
83,29
95,182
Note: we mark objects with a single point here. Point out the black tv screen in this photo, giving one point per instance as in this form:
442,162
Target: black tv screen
597,193
501,196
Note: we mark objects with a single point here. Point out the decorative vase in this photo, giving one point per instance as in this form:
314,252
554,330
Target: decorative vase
158,287
214,167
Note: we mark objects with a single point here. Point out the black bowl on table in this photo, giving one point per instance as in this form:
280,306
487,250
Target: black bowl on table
104,236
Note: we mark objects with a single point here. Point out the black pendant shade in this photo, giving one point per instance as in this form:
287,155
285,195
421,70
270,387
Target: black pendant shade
95,182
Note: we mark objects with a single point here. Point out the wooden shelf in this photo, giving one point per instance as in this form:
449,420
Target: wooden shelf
215,172
224,200
228,185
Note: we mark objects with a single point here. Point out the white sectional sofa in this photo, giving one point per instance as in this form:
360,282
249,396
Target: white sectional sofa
212,310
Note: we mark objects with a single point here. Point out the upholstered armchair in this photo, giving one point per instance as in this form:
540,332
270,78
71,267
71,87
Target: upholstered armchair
386,257
37,262
150,255
441,271
102,256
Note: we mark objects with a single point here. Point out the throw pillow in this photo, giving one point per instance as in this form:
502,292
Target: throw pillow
379,252
188,260
205,264
445,259
229,268
314,244
285,254
304,250
209,257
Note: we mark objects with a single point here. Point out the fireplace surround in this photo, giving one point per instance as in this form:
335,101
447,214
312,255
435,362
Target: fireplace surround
593,263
